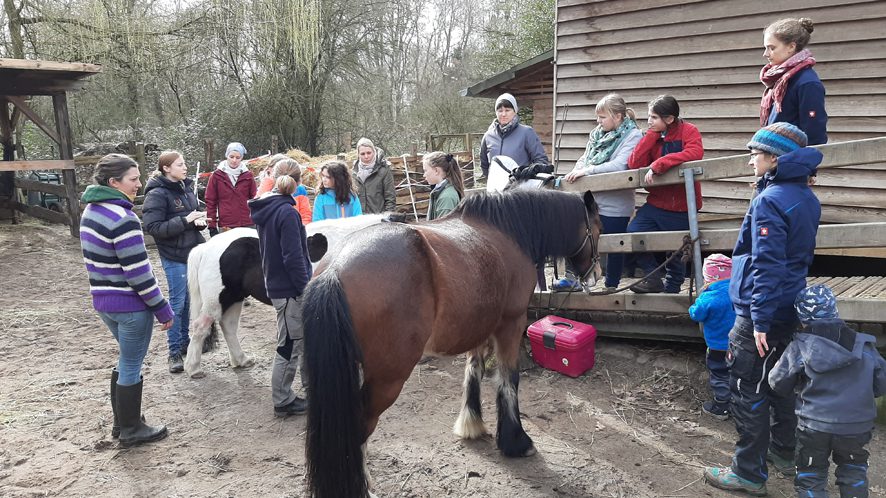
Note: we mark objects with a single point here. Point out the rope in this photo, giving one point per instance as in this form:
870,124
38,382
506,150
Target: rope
684,252
409,185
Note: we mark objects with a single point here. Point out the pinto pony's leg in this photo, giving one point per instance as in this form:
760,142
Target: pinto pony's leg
203,313
199,331
230,323
511,438
336,425
469,424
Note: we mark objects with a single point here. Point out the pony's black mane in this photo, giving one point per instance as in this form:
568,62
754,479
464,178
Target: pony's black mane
541,222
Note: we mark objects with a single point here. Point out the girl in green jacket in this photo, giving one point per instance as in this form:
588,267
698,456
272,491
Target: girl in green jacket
442,171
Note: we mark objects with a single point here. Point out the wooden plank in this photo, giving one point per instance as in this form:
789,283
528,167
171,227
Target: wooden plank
607,7
48,188
66,151
854,309
43,213
750,37
76,67
21,105
708,18
842,196
835,155
829,236
859,289
36,165
829,214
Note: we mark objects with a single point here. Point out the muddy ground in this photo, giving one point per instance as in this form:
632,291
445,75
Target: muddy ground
631,427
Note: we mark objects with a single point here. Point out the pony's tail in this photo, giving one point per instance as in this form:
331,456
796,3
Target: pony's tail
336,428
195,260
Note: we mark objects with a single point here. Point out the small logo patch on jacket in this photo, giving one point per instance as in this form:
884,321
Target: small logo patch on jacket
812,114
764,231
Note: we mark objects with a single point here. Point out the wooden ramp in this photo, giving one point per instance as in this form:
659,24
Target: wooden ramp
861,301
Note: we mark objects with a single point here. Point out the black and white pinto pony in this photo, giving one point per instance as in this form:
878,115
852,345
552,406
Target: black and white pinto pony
227,269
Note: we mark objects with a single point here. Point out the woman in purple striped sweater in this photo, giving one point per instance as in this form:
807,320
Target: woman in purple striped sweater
124,290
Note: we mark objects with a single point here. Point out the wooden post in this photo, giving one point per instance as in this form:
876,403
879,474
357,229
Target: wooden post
66,152
142,164
275,145
469,143
207,154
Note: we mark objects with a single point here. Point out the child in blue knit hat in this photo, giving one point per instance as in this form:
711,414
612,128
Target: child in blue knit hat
837,372
713,309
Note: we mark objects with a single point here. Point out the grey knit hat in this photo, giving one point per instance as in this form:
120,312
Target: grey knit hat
508,100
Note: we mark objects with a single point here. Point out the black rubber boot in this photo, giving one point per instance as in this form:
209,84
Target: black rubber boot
133,429
115,429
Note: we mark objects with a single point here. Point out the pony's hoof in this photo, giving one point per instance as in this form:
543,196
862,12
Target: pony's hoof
199,374
247,363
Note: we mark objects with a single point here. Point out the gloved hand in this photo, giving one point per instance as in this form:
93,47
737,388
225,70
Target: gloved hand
213,231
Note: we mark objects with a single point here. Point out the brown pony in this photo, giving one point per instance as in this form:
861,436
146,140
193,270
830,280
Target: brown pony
393,292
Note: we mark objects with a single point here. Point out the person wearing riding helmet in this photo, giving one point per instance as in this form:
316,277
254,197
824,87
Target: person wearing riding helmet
507,137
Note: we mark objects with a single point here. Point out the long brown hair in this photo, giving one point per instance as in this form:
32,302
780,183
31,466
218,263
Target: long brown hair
449,165
343,185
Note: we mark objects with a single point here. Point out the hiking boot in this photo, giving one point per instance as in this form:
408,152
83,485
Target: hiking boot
133,429
651,285
297,407
724,478
566,285
716,409
176,363
784,466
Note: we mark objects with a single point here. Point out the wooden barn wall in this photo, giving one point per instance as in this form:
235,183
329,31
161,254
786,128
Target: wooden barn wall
708,54
536,89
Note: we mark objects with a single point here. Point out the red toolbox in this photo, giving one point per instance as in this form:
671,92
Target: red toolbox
563,345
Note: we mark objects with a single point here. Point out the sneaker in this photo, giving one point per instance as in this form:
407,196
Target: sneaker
297,407
783,466
716,409
649,286
566,285
724,478
176,363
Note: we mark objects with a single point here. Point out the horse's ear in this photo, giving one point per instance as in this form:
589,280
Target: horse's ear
317,247
590,202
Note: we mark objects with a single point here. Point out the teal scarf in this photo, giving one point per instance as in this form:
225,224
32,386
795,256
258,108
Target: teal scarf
601,144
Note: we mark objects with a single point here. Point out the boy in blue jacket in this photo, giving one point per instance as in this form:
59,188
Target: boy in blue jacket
837,373
714,309
770,262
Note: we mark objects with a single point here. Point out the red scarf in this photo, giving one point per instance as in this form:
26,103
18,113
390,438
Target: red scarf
776,79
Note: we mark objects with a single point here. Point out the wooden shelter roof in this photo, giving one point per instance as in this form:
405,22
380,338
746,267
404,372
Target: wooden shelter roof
502,82
36,77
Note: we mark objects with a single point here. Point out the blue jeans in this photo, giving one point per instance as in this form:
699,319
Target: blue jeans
614,261
132,330
177,278
652,219
718,378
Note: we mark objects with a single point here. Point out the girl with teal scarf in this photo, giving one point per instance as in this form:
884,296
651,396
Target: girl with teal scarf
609,146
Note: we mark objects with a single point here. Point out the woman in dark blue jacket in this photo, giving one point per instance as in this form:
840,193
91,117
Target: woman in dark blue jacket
794,93
769,266
284,259
170,215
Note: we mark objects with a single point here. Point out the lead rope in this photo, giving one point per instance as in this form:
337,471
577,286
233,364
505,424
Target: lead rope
683,252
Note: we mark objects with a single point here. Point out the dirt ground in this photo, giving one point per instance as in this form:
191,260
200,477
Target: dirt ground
629,428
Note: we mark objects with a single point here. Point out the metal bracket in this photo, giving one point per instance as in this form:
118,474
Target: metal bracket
696,171
704,242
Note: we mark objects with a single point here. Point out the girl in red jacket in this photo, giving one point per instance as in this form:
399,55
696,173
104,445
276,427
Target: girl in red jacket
229,187
668,142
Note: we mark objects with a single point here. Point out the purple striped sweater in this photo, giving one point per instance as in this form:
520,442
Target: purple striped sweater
120,275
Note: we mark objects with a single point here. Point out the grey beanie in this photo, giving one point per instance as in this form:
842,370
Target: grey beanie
506,98
235,146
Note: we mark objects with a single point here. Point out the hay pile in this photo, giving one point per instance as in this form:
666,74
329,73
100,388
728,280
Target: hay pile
310,165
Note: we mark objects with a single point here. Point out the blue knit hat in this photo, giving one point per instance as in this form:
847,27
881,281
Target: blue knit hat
235,146
778,139
816,302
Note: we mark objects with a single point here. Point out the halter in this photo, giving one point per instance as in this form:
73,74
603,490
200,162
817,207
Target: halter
587,240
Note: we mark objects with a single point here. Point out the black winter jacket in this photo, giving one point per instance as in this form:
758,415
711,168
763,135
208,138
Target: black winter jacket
167,203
